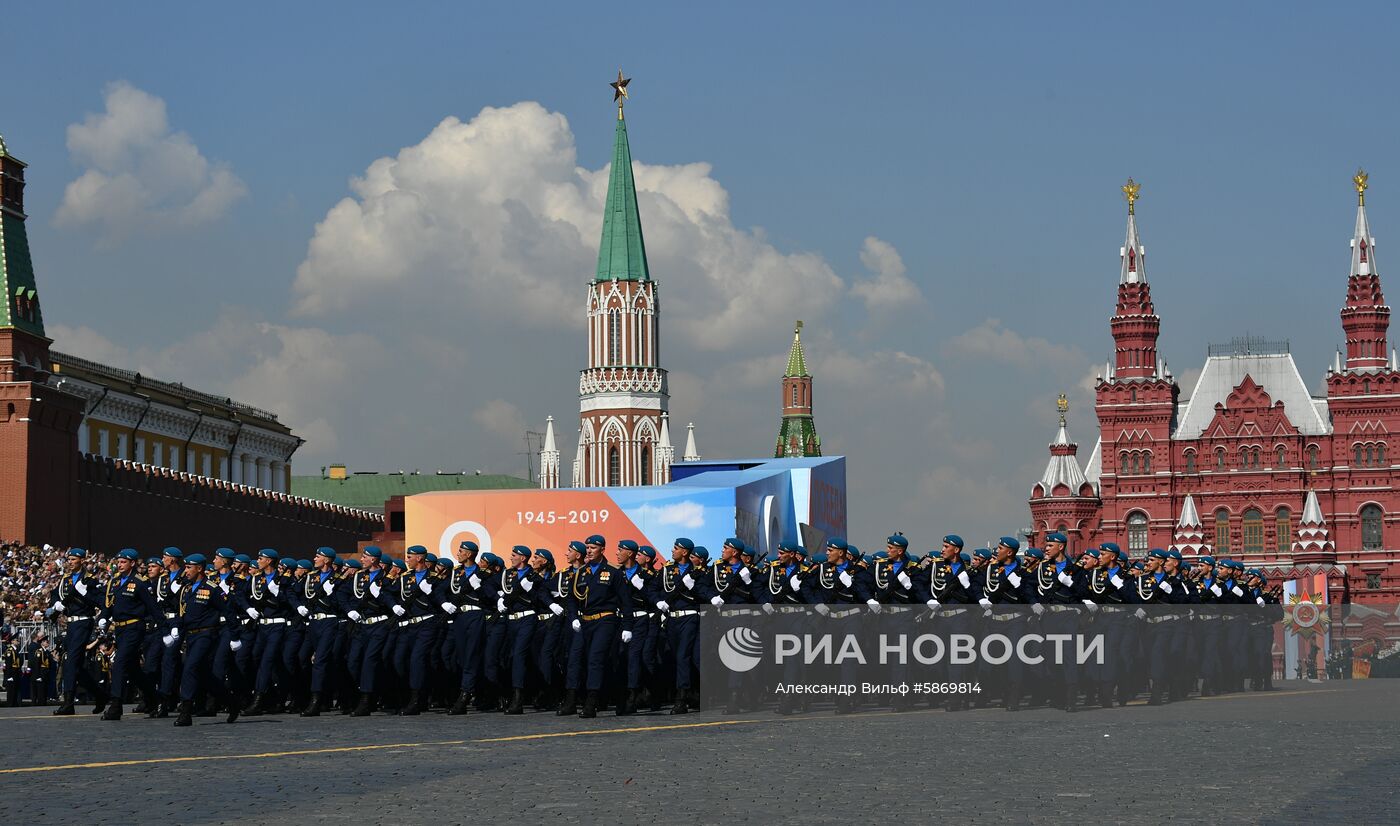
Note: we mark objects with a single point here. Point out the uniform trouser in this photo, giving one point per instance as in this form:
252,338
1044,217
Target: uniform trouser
75,640
683,633
546,649
599,645
520,634
1008,677
197,671
224,676
1233,654
1065,673
417,644
267,656
1210,639
125,659
640,653
243,657
1163,641
153,656
492,650
1108,624
366,654
1260,639
468,635
321,639
571,648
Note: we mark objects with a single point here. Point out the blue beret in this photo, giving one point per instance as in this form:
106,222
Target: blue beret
400,564
1111,546
1157,553
579,548
897,539
468,545
442,560
269,553
788,546
545,552
195,559
801,550
647,551
128,553
1057,537
1138,566
77,552
965,557
684,544
373,551
880,555
1091,551
818,558
595,539
242,558
305,564
225,553
1207,559
416,549
628,545
153,560
1174,554
1122,558
523,550
954,540
324,551
353,563
836,542
431,558
490,558
1010,542
734,542
746,551
1035,553
701,551
173,551
982,553
288,562
1238,565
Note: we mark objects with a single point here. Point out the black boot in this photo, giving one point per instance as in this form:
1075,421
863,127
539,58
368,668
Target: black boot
680,707
590,705
210,708
362,710
143,705
186,714
167,704
113,712
627,705
233,710
100,704
464,701
1156,697
313,709
259,705
65,706
570,704
517,702
153,707
414,707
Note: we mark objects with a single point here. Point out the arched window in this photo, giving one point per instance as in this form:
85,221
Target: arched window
1220,458
1132,395
1380,454
1137,532
1123,464
1312,456
1366,387
1190,461
794,395
1280,457
1370,456
1283,529
646,464
1372,528
1244,458
614,467
1253,525
614,337
1257,460
1357,449
1133,463
1222,531
1147,463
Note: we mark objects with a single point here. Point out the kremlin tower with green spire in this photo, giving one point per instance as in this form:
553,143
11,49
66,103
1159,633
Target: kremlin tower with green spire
798,434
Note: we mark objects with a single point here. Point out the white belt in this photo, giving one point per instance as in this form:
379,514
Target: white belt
463,608
170,615
844,613
273,621
373,620
324,616
416,620
520,615
1059,608
685,612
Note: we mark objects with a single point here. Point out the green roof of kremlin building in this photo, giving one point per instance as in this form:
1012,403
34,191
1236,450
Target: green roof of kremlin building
17,286
622,254
371,490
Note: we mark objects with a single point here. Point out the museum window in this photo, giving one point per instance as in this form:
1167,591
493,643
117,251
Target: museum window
1372,528
1123,464
614,467
1280,457
1133,463
1220,458
1253,532
1190,461
1380,455
646,465
1312,456
1283,529
1137,532
1222,531
1357,457
1373,582
1147,463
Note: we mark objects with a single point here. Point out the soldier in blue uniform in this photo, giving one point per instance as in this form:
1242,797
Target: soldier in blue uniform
127,605
562,647
1059,593
1263,614
518,594
315,600
947,582
365,604
1004,592
839,588
410,600
269,602
153,653
489,688
600,605
638,659
77,599
1106,586
679,596
470,595
204,609
225,671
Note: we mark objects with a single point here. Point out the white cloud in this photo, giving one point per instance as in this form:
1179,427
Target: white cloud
994,342
688,515
890,288
501,419
138,174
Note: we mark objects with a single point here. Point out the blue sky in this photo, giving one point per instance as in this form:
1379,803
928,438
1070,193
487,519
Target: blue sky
985,143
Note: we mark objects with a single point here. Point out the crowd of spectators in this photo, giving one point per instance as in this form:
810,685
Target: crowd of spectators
28,573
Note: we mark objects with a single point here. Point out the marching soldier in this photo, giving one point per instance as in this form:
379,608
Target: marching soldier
410,601
14,668
1106,586
838,587
679,597
559,652
225,671
127,605
77,600
518,595
205,609
600,604
269,601
639,640
1005,587
469,592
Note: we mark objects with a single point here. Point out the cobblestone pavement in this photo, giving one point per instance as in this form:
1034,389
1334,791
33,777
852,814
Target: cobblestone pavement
1313,753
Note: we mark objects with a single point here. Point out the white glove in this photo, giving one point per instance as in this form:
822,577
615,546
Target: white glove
637,582
746,575
1037,608
252,613
168,640
1140,614
905,580
474,581
846,578
175,632
80,587
223,586
1215,589
501,605
933,603
556,609
626,636
1259,600
717,601
822,609
526,584
1236,591
329,585
427,587
1116,580
374,590
1165,586
301,609
768,608
577,625
58,606
234,645
273,588
688,581
795,582
663,606
449,608
1014,578
984,602
1065,579
102,623
176,586
873,605
355,616
964,579
399,611
1091,605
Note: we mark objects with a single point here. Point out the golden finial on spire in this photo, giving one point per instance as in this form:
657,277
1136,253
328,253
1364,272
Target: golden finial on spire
798,332
1130,191
1360,181
1062,404
619,88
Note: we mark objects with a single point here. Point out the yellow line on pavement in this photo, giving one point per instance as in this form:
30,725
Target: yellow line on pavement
205,757
626,730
